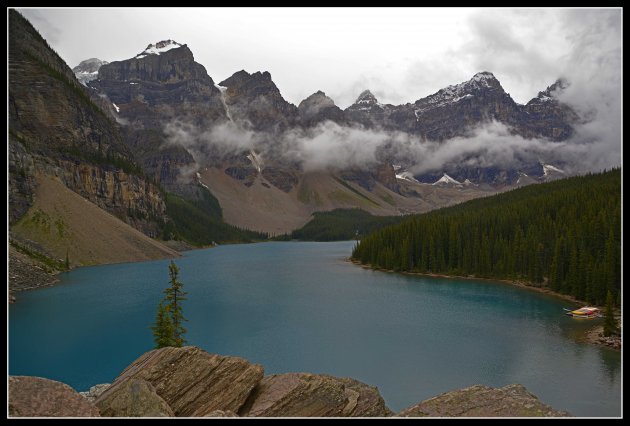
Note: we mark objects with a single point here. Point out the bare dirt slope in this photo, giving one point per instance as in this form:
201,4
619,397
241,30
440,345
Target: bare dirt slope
62,222
263,207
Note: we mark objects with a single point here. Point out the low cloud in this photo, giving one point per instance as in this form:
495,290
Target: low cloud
330,146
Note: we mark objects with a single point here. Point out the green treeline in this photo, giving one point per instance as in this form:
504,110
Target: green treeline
565,234
342,224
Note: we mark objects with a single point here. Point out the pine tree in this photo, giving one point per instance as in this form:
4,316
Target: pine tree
610,324
174,297
163,329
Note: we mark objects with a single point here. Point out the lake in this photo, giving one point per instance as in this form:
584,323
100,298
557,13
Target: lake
300,307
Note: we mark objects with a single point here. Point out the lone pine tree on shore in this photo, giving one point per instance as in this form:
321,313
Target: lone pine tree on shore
168,329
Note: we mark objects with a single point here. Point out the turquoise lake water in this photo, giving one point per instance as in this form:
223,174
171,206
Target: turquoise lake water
299,307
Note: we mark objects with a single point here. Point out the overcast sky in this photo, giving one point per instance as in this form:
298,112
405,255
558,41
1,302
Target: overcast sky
400,54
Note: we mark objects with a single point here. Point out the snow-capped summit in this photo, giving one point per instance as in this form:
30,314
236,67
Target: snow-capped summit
365,102
159,48
88,70
482,81
446,180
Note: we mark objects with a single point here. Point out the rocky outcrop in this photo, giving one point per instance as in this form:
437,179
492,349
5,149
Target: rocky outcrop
39,397
189,382
132,398
313,395
255,101
192,381
484,401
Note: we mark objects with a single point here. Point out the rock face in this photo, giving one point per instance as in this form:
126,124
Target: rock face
312,395
368,111
191,381
546,116
255,101
132,398
318,108
160,86
38,397
55,127
484,401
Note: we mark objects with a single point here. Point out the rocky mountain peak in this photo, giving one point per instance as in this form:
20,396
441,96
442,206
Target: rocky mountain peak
317,108
318,98
551,93
366,98
88,70
159,48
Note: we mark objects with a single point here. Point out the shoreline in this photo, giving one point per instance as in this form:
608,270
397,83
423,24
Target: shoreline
591,336
521,284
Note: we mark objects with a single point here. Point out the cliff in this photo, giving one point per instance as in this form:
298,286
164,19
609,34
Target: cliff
57,129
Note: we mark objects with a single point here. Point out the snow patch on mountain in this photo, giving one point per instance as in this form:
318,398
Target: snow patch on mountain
446,180
159,48
550,170
256,160
455,93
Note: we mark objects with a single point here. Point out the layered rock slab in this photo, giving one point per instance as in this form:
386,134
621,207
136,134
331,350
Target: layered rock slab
193,382
313,395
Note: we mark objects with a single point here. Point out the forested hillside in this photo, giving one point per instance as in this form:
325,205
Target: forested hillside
564,234
342,224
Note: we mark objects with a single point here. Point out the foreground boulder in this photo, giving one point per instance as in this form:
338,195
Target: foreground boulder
191,381
313,395
132,398
39,397
484,401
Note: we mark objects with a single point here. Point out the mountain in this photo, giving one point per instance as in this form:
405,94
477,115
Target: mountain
457,109
55,128
161,84
88,70
178,122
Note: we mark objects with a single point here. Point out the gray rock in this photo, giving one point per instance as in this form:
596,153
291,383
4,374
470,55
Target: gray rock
313,395
95,391
483,401
132,398
193,382
39,397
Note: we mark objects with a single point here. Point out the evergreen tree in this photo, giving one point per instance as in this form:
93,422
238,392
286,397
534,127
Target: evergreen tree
163,329
610,324
568,231
174,297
